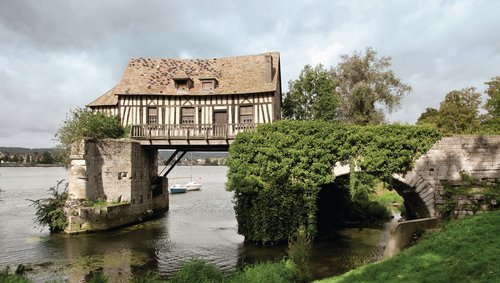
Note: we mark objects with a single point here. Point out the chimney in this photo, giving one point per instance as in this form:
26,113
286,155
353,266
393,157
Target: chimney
268,65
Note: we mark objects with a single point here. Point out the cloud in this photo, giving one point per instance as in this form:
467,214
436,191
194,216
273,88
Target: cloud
319,55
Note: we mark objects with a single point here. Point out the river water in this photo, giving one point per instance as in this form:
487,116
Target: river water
199,224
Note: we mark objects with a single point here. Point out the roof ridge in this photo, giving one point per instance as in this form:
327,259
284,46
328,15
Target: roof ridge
208,58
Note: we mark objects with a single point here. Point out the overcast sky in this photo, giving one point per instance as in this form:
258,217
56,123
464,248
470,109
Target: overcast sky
59,55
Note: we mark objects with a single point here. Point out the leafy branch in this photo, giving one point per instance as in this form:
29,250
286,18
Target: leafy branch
50,211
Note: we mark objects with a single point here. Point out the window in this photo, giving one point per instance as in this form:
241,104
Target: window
182,85
246,114
207,85
187,115
152,115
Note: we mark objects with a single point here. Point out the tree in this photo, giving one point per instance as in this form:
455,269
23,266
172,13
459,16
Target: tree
458,113
311,96
365,82
430,116
492,118
85,124
47,158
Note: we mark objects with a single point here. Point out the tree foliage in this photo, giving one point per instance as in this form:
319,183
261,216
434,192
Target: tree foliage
311,96
491,121
429,116
47,158
459,112
276,172
83,123
352,92
364,82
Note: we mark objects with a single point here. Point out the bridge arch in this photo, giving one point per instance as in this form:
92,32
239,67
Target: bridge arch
418,194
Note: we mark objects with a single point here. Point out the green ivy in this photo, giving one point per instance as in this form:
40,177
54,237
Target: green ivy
276,172
471,188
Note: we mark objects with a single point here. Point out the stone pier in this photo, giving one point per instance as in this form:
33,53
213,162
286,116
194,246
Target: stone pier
113,183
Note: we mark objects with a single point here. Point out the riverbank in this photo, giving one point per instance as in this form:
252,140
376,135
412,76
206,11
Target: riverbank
30,165
465,250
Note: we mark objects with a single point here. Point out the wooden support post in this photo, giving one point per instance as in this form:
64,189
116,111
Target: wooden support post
175,163
168,162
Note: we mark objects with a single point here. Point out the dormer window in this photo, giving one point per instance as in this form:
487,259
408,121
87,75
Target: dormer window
182,84
208,84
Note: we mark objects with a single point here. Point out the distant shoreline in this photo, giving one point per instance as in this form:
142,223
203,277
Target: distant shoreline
29,165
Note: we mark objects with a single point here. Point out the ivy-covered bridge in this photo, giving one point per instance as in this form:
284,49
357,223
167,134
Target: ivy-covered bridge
281,173
446,163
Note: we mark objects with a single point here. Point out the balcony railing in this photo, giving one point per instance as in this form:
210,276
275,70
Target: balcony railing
184,131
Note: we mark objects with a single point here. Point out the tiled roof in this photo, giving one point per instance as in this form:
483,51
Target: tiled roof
108,99
242,74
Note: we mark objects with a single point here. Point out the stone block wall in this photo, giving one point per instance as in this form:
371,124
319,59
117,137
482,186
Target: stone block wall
477,156
115,171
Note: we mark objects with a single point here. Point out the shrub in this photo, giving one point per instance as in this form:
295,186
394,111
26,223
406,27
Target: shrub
276,272
299,252
96,276
83,123
50,211
198,271
7,277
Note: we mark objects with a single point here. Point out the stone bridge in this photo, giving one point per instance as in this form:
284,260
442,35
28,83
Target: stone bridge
423,187
124,173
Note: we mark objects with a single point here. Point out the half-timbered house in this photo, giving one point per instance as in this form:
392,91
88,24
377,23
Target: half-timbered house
195,99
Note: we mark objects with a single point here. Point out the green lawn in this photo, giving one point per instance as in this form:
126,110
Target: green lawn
466,250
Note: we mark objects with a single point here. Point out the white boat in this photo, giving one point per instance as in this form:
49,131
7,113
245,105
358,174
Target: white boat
177,189
193,186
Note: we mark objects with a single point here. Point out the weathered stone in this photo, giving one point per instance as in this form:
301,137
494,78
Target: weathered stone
484,207
478,156
115,171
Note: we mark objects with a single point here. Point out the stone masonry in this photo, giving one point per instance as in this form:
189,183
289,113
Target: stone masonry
122,174
476,156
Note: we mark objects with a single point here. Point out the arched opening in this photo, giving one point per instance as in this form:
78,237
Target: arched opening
414,204
335,208
331,203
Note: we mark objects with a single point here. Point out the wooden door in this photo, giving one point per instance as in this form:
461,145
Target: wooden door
220,123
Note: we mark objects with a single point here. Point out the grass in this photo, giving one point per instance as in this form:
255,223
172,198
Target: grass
387,198
102,203
18,277
198,271
466,250
276,272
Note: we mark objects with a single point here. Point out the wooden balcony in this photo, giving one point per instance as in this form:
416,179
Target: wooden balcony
176,135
